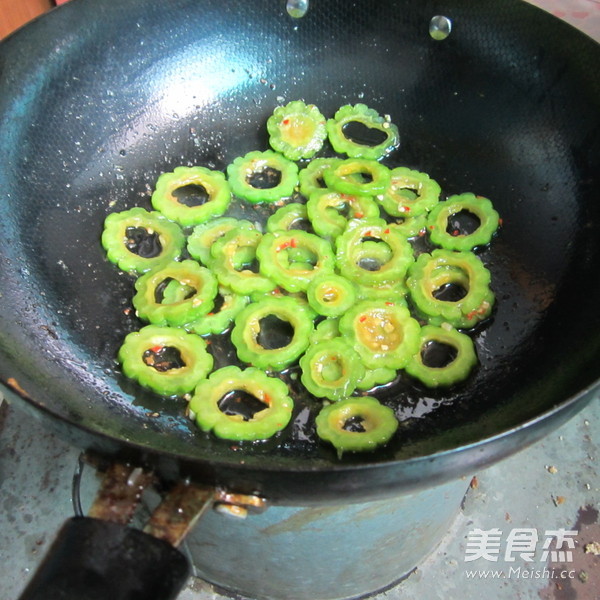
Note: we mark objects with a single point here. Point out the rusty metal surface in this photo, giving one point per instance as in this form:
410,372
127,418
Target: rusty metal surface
179,511
120,493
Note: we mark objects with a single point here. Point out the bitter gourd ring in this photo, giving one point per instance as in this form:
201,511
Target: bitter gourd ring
371,254
232,256
260,348
392,292
356,424
331,369
369,118
383,333
277,254
361,240
208,398
205,235
288,217
443,234
297,130
409,194
211,184
138,240
411,227
433,274
331,295
329,211
192,297
311,177
325,330
220,318
376,377
357,176
459,357
262,176
144,357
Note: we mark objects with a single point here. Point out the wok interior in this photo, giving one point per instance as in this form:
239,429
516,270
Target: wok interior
98,108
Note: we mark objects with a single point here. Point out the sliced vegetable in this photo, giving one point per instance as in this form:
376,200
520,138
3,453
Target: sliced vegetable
311,177
376,377
357,176
410,193
370,124
329,211
227,305
293,258
391,292
410,227
383,333
272,333
297,130
175,291
204,236
332,289
445,357
191,195
331,295
262,176
370,252
445,222
453,287
233,260
327,329
238,404
165,359
331,369
137,240
176,309
291,216
356,424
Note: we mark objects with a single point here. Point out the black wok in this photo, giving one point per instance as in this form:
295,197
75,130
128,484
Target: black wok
99,97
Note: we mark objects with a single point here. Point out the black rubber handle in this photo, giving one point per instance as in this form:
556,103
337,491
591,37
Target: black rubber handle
93,559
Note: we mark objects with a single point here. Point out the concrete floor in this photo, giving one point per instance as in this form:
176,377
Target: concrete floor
553,484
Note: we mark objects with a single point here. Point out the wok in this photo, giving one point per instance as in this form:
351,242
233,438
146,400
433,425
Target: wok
98,98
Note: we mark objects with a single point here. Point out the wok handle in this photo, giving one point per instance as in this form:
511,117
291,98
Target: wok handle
93,559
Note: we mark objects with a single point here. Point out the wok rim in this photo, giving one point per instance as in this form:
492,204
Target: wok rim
583,397
529,426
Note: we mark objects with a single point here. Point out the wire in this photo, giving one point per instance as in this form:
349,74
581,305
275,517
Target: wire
76,487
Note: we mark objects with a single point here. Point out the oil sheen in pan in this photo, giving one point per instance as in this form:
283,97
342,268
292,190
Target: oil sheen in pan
415,405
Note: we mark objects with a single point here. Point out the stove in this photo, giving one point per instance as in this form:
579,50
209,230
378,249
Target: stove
554,485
